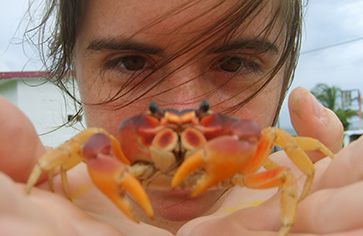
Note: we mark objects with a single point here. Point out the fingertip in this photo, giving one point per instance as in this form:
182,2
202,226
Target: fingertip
296,98
301,112
310,118
20,145
303,104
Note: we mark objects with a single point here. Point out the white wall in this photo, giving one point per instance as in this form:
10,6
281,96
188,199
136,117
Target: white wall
8,90
46,107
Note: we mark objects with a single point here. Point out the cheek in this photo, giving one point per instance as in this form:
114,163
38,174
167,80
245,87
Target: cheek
263,107
261,112
108,117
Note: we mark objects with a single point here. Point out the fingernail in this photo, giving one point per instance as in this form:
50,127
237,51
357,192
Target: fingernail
303,103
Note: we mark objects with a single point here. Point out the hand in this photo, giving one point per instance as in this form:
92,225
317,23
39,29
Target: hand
311,119
43,212
333,208
17,131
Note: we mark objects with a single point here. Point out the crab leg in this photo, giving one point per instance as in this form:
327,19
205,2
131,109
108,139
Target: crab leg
67,156
295,149
311,144
112,177
283,178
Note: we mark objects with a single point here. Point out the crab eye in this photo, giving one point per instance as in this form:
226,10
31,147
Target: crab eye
204,106
155,110
153,107
203,109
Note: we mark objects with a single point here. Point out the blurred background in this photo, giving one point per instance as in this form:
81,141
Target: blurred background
330,65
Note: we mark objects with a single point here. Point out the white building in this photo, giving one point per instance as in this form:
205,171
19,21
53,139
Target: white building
352,135
42,102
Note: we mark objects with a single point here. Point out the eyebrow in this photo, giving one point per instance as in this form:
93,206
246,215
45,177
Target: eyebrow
123,44
132,45
248,44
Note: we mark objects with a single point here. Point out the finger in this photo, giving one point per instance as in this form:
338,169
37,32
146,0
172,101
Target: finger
356,232
331,210
9,195
20,145
216,226
311,119
264,220
18,226
345,169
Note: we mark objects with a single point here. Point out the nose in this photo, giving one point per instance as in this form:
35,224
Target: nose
183,88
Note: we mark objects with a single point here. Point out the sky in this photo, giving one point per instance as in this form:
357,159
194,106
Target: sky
332,46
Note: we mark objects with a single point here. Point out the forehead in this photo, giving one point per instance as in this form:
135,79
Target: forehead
156,20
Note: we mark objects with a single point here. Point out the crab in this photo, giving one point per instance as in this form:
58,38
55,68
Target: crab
195,149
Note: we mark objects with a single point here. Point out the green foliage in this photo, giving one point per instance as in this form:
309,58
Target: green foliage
331,97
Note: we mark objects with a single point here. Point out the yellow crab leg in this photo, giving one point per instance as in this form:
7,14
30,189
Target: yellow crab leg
284,179
67,156
311,144
297,154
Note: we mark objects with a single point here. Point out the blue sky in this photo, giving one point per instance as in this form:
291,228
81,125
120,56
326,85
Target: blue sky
332,49
333,46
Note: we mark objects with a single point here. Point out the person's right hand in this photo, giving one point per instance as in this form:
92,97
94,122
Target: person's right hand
19,144
43,212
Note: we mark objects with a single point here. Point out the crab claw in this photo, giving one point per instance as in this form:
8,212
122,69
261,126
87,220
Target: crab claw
221,158
112,177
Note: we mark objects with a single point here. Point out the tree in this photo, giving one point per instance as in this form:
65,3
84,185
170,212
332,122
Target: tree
331,97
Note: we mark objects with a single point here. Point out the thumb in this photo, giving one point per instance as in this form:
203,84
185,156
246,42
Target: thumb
311,119
20,145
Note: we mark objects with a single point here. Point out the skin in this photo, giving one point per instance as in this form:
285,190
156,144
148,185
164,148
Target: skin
90,213
43,213
91,72
98,82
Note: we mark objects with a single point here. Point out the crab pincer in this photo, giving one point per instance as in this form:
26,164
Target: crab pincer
112,176
221,158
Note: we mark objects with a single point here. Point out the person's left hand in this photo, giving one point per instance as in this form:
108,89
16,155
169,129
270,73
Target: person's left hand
335,205
333,208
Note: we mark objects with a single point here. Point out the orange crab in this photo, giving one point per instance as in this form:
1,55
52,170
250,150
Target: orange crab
196,149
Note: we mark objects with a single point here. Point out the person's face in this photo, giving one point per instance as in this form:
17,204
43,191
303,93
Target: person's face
123,38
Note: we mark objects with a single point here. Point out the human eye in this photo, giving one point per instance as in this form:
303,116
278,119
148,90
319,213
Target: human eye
237,64
129,63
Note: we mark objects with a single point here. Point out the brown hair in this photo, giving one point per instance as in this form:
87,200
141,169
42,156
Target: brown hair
68,16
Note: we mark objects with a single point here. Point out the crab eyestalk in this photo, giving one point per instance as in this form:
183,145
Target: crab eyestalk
203,108
155,110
